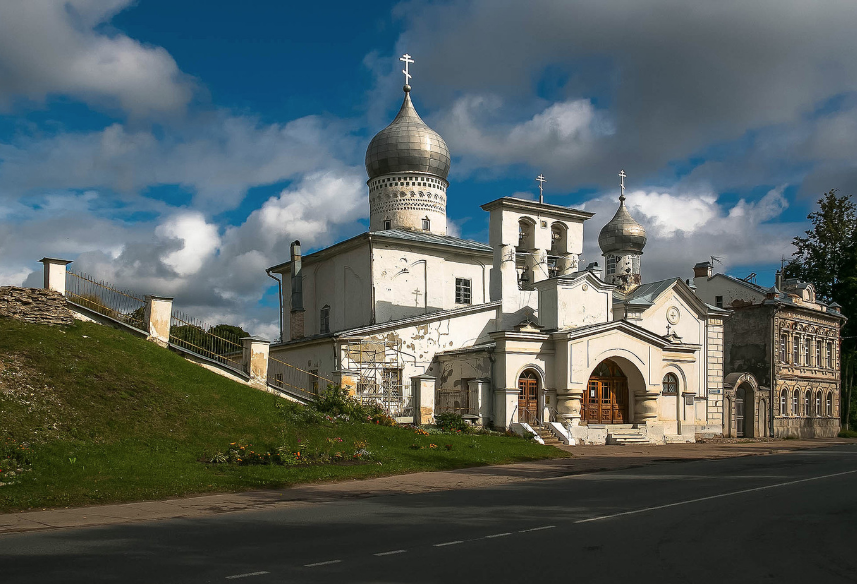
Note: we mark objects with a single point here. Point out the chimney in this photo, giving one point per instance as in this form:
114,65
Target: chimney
296,322
779,281
702,270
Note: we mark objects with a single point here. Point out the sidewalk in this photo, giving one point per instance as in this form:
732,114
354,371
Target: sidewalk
585,459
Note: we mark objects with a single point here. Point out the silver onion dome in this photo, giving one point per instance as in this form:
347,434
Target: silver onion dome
622,233
407,144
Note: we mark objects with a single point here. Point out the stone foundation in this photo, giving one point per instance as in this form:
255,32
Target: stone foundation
34,305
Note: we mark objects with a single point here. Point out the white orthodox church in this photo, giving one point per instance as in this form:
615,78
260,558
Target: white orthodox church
510,332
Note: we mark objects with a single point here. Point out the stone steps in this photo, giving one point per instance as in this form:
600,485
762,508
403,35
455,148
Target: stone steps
626,434
547,436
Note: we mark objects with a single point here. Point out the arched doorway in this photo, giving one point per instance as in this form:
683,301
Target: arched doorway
606,397
528,397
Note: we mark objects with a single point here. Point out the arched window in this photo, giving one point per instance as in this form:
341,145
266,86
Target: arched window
829,405
559,239
818,404
784,402
526,233
807,404
670,384
795,403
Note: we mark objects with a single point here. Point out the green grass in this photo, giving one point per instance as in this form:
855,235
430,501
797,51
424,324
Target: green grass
107,417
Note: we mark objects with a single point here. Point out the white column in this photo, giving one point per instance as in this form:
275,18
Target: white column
55,274
423,387
255,359
156,318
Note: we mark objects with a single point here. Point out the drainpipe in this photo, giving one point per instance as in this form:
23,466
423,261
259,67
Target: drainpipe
279,299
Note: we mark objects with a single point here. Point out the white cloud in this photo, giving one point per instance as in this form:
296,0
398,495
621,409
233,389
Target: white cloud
52,47
199,241
217,156
554,137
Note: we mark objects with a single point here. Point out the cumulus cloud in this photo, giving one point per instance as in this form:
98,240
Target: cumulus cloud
217,156
199,240
52,47
561,133
674,78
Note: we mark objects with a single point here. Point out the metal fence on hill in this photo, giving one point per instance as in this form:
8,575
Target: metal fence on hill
101,297
283,375
197,337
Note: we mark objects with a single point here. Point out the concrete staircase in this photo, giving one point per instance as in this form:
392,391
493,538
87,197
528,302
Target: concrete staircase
547,436
620,434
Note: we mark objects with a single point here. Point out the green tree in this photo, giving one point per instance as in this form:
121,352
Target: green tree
827,257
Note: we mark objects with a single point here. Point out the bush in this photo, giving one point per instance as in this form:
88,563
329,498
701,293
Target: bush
848,434
450,422
336,401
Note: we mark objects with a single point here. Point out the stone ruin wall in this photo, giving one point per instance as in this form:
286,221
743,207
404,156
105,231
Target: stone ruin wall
35,305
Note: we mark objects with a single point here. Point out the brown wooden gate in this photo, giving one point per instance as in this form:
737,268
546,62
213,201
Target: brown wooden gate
528,397
606,397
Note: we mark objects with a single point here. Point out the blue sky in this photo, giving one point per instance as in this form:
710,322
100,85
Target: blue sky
175,149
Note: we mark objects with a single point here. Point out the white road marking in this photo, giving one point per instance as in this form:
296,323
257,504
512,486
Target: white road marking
248,574
720,496
391,553
456,542
537,528
497,535
327,563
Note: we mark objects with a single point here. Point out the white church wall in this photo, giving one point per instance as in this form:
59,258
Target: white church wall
316,355
572,303
420,342
410,281
690,327
342,282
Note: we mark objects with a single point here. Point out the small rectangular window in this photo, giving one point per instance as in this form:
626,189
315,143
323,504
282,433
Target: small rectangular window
388,224
796,351
806,352
817,353
462,291
611,265
783,348
830,355
718,301
324,320
426,224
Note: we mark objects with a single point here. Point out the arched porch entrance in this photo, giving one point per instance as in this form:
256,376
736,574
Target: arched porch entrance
606,398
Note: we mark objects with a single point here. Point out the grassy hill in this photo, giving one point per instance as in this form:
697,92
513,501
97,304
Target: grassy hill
93,415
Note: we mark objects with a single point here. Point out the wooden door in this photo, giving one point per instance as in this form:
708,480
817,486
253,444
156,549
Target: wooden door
606,397
528,397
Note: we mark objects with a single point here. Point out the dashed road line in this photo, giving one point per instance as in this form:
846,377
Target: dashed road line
327,563
709,498
247,575
391,553
497,535
536,528
446,543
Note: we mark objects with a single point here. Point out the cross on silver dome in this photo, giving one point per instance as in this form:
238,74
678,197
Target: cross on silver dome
541,180
622,176
406,58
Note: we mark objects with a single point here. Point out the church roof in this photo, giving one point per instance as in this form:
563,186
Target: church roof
646,293
426,237
622,232
407,145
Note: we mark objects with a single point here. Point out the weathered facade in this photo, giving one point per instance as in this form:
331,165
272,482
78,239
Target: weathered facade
783,344
507,333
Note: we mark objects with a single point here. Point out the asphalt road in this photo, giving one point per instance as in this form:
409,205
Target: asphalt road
779,518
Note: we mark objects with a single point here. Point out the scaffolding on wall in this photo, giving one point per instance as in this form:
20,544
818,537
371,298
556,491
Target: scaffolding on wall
379,366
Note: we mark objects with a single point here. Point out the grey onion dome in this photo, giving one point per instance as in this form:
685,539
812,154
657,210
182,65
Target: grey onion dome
622,233
407,144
